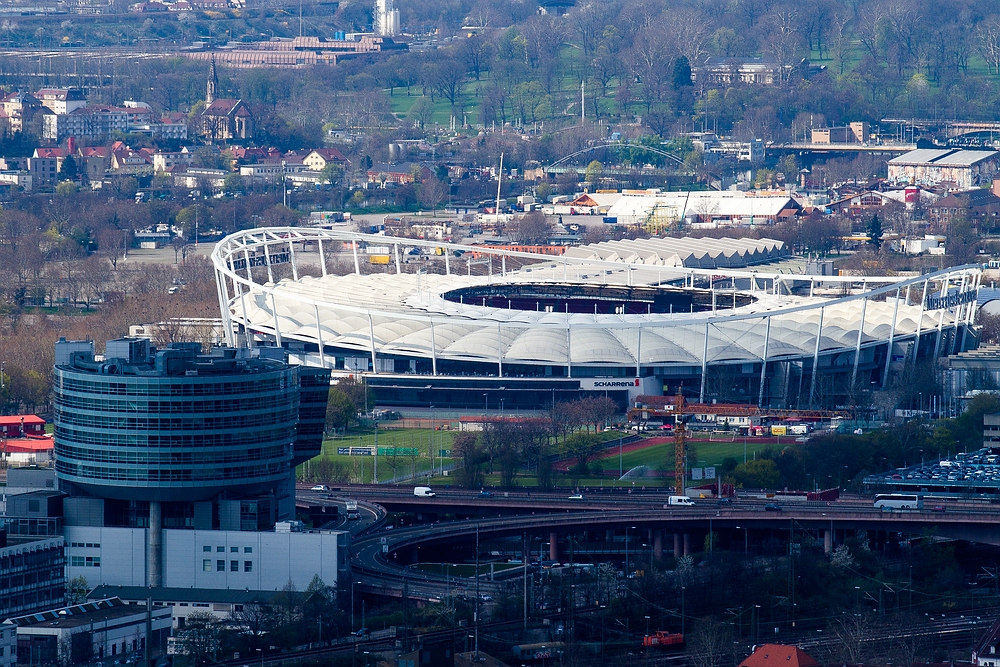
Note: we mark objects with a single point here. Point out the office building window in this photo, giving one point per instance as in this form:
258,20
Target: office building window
248,550
220,566
234,550
221,550
234,566
206,565
206,548
248,566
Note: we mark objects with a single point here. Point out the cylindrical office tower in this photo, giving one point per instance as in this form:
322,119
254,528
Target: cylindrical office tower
174,424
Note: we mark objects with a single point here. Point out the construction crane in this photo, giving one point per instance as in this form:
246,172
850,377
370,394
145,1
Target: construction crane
673,409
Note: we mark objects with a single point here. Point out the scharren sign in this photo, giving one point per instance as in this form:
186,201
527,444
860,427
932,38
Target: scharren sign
609,384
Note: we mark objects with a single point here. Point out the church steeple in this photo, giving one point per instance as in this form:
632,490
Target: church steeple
213,83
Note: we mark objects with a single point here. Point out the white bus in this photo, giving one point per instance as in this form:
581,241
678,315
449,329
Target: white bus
898,501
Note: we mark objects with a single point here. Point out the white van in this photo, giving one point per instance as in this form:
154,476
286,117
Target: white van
423,492
683,501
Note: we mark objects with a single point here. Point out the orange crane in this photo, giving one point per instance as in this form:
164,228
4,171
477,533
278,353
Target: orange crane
675,408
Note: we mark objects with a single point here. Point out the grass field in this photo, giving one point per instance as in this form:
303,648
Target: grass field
361,469
659,457
701,453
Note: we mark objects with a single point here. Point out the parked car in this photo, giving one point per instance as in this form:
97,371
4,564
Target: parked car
485,494
772,507
576,496
320,487
725,501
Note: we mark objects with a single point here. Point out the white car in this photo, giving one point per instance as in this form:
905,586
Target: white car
320,487
576,496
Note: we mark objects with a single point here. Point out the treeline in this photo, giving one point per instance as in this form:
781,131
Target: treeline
843,460
509,446
282,620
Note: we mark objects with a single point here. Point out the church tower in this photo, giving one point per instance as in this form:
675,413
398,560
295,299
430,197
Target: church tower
213,83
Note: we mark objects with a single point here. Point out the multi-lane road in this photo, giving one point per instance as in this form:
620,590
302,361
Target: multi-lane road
553,514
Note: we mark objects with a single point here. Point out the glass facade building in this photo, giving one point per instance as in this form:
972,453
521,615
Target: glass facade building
176,425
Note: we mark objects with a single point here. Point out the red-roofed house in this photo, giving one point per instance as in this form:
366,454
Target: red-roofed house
94,161
20,426
779,655
44,165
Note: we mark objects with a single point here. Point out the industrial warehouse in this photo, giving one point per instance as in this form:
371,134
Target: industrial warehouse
465,332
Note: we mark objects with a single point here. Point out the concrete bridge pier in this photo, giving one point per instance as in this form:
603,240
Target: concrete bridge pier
658,544
553,546
687,544
677,545
827,541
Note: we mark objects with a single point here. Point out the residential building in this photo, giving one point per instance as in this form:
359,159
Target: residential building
91,631
44,166
318,159
62,100
183,602
398,174
955,169
99,122
94,162
165,161
855,133
166,128
8,644
272,171
194,177
124,160
864,203
19,109
979,207
20,181
32,575
754,71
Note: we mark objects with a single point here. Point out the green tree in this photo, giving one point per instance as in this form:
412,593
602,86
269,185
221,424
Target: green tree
68,171
233,183
359,393
200,639
466,448
340,410
594,172
331,173
759,474
874,229
77,589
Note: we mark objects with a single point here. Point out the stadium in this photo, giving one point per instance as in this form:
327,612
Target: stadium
432,324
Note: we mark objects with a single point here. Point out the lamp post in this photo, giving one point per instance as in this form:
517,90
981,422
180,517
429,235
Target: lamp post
261,652
352,604
746,539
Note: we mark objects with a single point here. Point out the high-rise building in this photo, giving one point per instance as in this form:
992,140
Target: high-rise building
149,439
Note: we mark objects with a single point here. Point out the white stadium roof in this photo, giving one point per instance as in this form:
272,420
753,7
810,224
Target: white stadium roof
422,316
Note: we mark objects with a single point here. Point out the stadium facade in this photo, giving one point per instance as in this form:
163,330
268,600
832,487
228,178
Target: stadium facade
451,325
